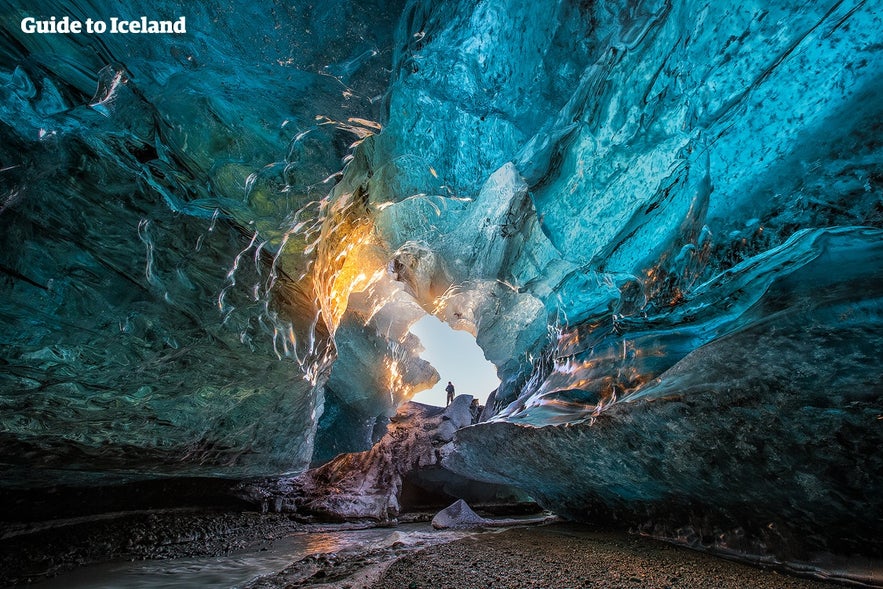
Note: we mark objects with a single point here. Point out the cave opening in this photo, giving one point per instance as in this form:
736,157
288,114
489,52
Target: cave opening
458,358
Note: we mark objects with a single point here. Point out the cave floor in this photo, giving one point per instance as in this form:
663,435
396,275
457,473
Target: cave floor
570,556
409,556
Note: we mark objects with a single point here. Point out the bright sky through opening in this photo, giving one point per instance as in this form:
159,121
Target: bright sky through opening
457,358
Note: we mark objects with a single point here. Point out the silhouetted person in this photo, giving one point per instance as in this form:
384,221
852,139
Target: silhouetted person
450,390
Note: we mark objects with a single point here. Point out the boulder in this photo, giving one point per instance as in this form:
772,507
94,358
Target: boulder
458,515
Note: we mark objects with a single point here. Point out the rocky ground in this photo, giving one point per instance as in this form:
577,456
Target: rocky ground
402,472
557,556
564,556
32,552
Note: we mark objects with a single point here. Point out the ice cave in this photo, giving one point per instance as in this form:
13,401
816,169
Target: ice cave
662,223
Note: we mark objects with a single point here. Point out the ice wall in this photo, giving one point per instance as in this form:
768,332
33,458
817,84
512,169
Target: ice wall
664,219
161,197
660,145
673,258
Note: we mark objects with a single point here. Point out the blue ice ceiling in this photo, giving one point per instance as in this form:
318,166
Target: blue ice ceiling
660,220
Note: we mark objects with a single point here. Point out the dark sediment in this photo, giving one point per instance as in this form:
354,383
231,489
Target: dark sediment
32,552
565,556
569,556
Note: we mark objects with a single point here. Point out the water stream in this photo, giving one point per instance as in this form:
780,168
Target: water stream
238,569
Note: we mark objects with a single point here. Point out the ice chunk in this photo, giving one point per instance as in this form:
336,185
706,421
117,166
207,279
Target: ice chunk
458,515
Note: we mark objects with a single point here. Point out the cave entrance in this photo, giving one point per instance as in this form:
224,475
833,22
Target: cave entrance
457,357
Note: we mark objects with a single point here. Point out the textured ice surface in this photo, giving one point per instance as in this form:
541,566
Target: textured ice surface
760,439
159,196
660,220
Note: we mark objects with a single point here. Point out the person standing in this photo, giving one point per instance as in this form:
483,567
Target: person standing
450,390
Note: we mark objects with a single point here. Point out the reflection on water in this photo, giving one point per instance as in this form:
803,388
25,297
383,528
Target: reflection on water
323,542
238,569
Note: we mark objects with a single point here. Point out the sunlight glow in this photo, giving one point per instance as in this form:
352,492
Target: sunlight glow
457,358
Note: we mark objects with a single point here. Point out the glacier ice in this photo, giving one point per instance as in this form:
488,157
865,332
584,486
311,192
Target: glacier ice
758,439
152,187
661,221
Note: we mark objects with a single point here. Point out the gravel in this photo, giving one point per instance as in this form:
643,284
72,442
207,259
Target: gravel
29,555
564,556
560,556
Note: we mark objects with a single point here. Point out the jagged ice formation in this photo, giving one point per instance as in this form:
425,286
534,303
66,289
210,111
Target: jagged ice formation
660,220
